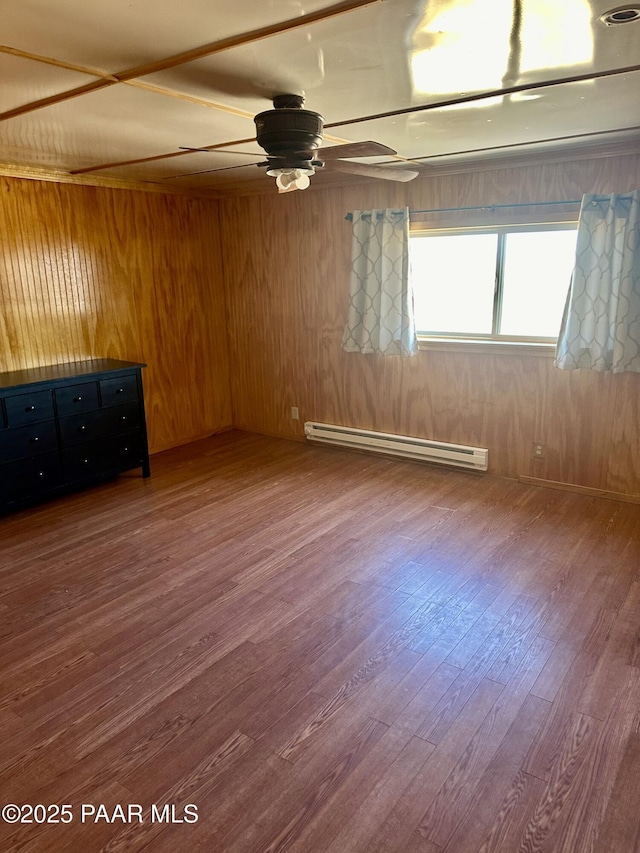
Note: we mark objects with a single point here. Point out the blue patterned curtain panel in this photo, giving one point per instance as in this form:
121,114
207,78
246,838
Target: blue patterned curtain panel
380,316
601,324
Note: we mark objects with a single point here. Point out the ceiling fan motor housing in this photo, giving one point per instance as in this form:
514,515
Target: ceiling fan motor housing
283,131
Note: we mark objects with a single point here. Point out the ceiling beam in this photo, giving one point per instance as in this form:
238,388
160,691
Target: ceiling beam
415,160
494,93
466,99
220,146
190,55
58,63
191,99
245,38
513,145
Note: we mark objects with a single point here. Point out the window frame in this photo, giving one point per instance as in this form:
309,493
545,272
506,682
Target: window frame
493,341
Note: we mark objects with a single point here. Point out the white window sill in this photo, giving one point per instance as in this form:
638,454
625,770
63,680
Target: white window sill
488,347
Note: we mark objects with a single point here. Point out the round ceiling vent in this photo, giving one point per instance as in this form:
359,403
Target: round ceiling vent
621,15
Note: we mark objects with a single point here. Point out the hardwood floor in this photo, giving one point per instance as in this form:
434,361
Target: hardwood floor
321,651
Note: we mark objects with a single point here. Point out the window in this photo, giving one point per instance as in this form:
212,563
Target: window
506,283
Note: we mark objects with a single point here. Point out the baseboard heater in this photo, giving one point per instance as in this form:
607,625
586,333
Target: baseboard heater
457,455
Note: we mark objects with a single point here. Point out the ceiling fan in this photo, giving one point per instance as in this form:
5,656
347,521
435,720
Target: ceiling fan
292,136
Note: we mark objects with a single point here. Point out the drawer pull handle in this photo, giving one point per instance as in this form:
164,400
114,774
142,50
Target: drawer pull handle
123,417
120,391
126,449
81,428
77,399
40,473
33,439
30,409
85,461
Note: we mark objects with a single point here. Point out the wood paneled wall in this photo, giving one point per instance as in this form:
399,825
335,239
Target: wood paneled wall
286,264
88,271
91,272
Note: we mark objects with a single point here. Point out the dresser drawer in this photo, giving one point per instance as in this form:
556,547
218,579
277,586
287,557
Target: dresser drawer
123,389
30,477
28,441
89,426
103,458
124,418
127,451
28,408
65,426
77,398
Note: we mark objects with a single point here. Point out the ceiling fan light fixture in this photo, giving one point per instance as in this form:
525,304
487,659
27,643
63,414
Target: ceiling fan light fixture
288,180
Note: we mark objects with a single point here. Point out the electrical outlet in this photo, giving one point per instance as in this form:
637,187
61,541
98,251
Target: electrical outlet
295,416
538,450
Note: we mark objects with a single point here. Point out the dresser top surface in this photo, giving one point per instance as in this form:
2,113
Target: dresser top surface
62,372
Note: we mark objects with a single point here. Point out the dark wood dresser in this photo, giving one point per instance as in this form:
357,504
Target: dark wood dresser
67,426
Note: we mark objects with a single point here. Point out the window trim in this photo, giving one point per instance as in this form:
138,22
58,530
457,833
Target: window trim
493,342
485,347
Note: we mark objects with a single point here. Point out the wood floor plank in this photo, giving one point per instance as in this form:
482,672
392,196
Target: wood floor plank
562,719
511,817
406,815
479,668
269,805
340,643
227,802
418,844
550,679
449,627
582,823
504,608
551,825
286,823
38,838
379,646
323,651
410,709
394,752
449,805
356,834
362,690
570,812
621,825
187,789
470,822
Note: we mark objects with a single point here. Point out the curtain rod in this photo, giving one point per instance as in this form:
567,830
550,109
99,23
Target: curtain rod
349,216
497,206
594,200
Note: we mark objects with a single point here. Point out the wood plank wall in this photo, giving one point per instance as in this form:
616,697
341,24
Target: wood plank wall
88,271
286,264
91,272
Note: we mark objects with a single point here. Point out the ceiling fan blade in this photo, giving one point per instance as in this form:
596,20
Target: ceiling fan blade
220,151
207,171
369,170
354,149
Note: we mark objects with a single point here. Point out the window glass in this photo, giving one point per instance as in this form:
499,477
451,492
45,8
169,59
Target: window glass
454,282
537,272
503,282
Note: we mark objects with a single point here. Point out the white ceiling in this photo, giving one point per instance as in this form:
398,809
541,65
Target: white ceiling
153,76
